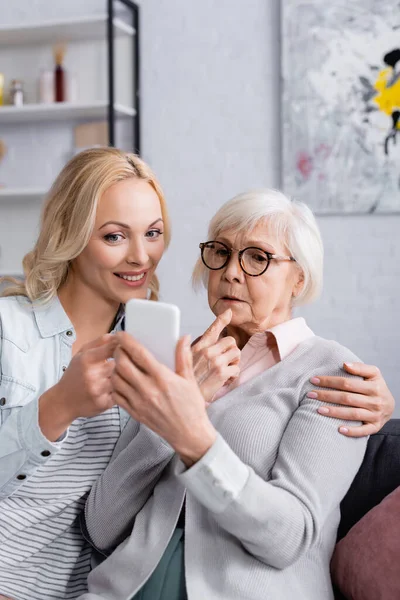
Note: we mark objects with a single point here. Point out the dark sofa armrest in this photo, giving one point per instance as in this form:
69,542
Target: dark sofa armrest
378,476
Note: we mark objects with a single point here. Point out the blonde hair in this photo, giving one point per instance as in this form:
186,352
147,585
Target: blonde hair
68,219
288,219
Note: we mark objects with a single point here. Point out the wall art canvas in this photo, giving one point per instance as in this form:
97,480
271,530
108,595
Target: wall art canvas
341,104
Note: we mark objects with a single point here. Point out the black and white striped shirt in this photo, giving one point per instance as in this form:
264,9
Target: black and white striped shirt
43,485
42,551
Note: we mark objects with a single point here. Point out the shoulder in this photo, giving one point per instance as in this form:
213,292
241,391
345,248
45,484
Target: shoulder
330,349
17,320
321,356
16,307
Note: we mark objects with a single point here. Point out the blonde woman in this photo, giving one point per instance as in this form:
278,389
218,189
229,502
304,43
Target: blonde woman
104,229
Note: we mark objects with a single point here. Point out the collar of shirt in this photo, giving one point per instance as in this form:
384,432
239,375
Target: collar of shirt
287,336
264,350
51,318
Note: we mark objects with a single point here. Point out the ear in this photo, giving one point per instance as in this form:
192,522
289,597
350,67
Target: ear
298,283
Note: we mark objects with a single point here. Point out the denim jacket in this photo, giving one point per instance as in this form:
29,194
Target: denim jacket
35,348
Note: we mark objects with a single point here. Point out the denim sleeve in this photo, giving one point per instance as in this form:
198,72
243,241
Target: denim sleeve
23,447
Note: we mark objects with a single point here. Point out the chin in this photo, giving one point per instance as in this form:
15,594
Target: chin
135,294
236,320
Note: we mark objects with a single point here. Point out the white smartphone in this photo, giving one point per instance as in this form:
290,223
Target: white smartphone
155,325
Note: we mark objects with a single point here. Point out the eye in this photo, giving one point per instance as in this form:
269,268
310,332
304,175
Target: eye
217,249
258,257
154,234
113,238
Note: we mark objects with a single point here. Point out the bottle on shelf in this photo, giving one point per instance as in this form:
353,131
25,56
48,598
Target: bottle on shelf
46,86
59,73
16,93
1,88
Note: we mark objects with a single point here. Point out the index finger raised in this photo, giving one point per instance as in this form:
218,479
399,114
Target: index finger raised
212,334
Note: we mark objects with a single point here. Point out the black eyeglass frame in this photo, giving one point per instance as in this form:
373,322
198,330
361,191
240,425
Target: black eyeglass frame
269,256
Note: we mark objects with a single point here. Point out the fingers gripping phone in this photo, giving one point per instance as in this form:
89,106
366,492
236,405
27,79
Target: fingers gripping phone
156,326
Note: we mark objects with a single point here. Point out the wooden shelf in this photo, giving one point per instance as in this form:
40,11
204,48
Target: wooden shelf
60,111
68,30
22,194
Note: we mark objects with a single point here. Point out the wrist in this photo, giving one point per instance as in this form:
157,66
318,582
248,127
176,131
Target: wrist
197,446
54,418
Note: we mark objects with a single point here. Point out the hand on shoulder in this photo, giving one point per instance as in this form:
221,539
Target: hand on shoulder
368,400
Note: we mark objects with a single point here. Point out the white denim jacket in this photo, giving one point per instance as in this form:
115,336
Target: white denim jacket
35,349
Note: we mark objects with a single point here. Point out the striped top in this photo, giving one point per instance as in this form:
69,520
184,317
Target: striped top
43,485
42,551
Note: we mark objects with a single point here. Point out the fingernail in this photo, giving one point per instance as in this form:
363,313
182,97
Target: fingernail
323,410
188,340
315,380
348,364
343,430
312,395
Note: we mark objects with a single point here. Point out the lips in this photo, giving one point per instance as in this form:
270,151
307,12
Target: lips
133,278
132,275
231,298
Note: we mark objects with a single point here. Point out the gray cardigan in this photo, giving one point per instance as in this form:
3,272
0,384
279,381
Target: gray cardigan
262,506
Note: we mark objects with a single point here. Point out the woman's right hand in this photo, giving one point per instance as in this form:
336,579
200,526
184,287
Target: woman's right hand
83,391
215,361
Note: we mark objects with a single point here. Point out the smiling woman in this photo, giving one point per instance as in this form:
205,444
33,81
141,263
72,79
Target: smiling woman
104,229
126,244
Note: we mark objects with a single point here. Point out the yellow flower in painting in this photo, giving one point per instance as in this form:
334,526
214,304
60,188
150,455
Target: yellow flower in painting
388,87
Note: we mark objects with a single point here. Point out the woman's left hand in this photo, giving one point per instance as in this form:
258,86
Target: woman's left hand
368,400
168,403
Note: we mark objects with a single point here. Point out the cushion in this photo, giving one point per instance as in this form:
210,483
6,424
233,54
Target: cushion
378,476
365,564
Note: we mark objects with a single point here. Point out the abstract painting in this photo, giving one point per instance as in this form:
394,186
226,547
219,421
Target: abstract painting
341,104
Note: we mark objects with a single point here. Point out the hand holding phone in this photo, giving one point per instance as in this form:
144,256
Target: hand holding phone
156,326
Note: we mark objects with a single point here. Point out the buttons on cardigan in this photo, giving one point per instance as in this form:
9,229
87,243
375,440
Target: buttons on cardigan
21,477
45,453
64,368
69,332
2,401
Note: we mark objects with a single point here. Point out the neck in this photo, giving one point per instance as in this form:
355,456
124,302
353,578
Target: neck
244,333
240,336
90,314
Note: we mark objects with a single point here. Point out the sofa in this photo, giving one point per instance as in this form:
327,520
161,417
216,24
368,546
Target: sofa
379,475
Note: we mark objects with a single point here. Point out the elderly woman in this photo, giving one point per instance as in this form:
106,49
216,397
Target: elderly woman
237,496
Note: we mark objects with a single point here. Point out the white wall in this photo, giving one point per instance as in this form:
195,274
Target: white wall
210,125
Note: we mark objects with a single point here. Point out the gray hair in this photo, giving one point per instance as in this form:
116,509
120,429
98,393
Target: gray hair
289,219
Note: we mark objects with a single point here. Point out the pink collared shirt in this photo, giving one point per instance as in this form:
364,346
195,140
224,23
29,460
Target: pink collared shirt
266,349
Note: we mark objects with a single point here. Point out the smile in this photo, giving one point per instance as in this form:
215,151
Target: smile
131,277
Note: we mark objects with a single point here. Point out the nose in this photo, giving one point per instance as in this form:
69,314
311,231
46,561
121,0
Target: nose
137,253
233,271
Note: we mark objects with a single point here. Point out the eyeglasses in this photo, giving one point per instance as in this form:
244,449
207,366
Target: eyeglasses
253,261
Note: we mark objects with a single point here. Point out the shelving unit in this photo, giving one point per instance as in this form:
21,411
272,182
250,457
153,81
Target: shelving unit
22,194
92,27
60,111
99,102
